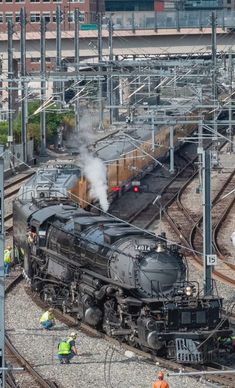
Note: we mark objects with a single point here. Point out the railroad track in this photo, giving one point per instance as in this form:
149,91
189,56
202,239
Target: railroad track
188,226
13,356
149,212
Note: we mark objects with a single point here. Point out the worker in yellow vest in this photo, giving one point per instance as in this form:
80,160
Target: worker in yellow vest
47,319
67,349
7,260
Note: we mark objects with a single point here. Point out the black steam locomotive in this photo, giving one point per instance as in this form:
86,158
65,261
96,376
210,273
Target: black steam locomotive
126,282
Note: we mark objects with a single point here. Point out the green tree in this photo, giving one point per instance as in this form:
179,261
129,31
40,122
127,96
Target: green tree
53,121
3,132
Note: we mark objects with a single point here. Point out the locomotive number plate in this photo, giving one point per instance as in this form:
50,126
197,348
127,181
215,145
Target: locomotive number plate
142,248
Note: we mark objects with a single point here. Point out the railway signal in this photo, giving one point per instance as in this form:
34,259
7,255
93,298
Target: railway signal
135,186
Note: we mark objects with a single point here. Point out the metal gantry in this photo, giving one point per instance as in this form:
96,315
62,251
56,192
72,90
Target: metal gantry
2,275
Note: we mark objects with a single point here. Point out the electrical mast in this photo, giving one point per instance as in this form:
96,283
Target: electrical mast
2,275
43,86
24,99
77,60
100,57
10,84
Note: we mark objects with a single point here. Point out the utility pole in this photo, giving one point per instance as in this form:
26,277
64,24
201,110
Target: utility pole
214,78
199,152
24,99
2,275
110,67
43,86
100,57
58,50
10,85
214,51
77,62
207,224
153,132
230,128
172,162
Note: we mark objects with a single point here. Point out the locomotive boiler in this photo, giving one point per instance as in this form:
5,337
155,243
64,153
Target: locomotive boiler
124,281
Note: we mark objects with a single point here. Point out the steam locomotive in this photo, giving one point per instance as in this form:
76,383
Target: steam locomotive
124,281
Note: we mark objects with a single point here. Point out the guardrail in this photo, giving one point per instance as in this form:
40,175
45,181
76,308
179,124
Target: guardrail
171,19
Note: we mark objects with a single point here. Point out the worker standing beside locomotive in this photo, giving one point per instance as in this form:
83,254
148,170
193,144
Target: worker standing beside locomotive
7,260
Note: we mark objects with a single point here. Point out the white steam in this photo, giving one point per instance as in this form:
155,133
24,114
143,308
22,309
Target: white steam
93,168
95,171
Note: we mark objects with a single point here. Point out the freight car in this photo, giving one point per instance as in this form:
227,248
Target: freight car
126,282
127,156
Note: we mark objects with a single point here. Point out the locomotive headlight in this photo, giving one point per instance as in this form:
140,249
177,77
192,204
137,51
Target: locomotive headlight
188,291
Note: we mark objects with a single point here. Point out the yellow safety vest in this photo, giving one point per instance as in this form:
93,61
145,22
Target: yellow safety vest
7,256
64,348
47,316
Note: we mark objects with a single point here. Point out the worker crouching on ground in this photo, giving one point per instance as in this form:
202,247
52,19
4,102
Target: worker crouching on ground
7,260
47,319
67,349
160,383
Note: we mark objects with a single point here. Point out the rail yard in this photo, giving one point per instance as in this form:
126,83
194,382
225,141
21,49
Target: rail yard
118,211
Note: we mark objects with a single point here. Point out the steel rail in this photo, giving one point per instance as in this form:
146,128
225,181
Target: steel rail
20,359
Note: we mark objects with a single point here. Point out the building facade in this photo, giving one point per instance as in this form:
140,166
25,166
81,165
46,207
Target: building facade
10,9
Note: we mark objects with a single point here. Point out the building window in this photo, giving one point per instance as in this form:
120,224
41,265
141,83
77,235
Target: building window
57,1
17,17
54,17
34,1
46,1
1,18
8,16
19,1
82,16
35,60
8,1
47,16
35,17
71,17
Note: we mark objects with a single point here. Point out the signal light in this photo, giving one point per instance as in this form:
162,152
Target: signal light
136,189
115,188
135,186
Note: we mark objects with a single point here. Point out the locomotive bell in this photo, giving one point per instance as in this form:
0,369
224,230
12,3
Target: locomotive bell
160,248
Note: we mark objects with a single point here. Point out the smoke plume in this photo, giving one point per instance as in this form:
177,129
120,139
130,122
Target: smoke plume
95,171
93,168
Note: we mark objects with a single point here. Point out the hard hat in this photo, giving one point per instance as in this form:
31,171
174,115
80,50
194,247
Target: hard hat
160,375
73,335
